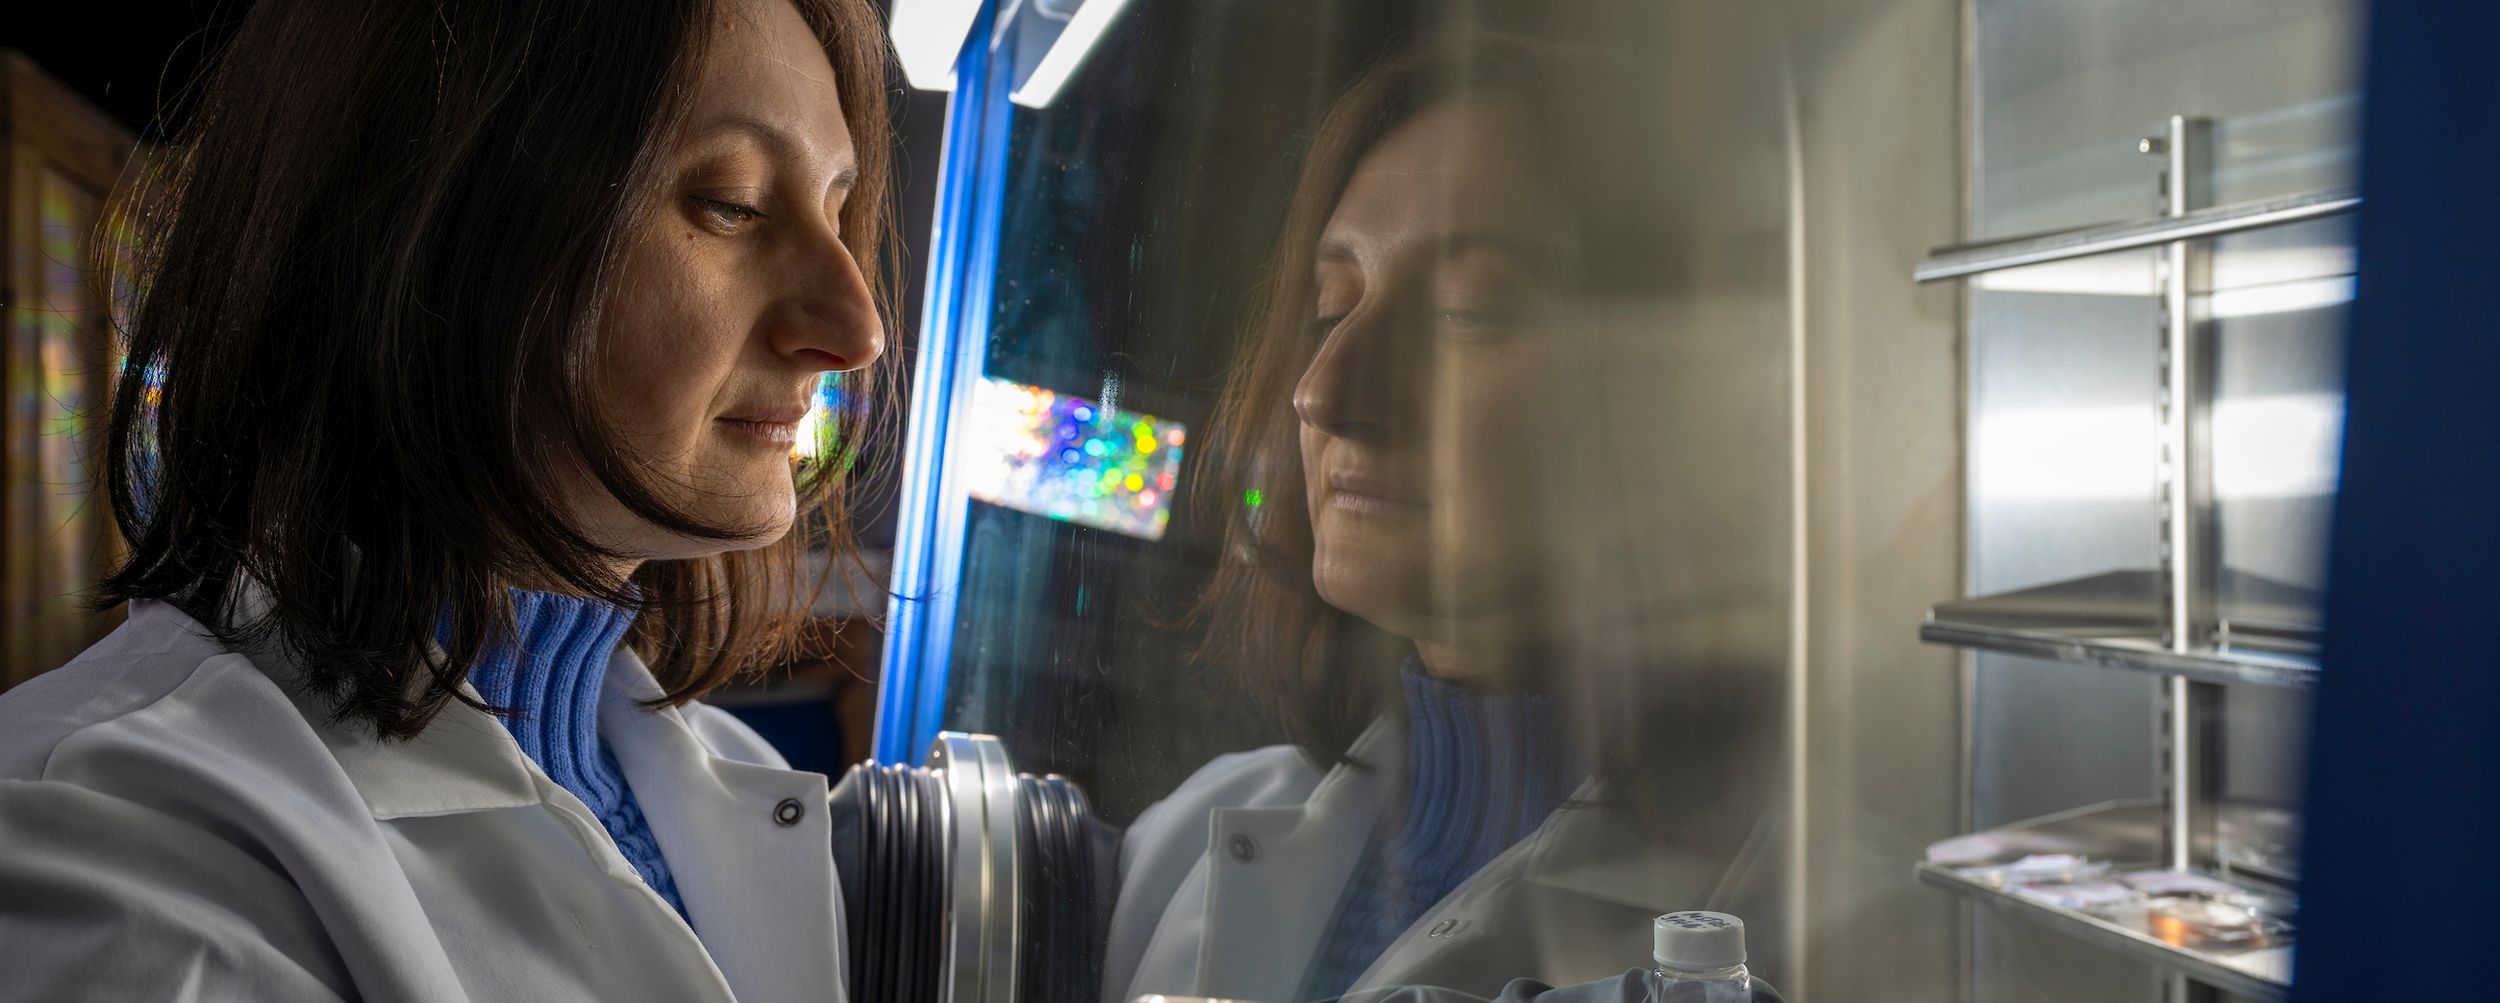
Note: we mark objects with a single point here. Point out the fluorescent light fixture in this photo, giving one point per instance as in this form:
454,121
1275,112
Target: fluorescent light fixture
928,35
1076,37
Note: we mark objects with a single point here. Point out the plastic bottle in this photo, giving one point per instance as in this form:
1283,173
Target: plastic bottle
1700,958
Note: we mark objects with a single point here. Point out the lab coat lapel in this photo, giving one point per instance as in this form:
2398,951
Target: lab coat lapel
1570,903
759,891
1603,854
462,761
1275,874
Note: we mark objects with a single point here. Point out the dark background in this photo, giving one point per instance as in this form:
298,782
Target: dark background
123,57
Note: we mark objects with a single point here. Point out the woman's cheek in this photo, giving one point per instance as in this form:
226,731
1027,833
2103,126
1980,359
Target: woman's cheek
1490,465
663,364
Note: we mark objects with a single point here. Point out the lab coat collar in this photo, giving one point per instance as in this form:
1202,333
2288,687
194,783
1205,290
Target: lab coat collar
1559,904
1275,874
1601,853
462,761
743,874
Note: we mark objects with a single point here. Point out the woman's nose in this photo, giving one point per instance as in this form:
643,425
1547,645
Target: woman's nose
1346,390
833,323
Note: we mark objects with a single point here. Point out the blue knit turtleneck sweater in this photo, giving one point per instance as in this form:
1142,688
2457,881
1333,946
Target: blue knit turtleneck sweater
1483,770
553,683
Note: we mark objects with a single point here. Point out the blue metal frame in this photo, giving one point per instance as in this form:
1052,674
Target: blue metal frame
2398,878
954,338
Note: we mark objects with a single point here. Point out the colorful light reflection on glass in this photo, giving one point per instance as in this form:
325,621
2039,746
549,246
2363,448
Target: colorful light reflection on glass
1067,458
820,428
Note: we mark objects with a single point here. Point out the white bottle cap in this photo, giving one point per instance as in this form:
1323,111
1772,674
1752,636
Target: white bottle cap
1696,941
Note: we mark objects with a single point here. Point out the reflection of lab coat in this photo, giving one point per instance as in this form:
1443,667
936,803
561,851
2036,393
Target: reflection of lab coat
1228,885
180,823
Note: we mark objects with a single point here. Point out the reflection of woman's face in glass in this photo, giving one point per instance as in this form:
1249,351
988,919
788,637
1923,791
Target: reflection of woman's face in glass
1418,409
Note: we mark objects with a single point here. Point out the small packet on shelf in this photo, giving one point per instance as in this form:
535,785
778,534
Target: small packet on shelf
2081,895
2178,883
2040,868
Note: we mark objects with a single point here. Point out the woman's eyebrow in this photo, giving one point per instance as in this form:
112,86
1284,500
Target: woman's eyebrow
782,144
1464,242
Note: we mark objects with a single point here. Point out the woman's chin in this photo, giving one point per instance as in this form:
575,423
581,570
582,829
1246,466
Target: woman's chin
763,524
1385,594
758,522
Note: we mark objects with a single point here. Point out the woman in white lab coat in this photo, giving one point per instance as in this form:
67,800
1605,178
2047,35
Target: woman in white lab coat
1440,587
474,352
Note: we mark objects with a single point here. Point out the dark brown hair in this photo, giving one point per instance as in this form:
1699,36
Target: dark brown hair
369,283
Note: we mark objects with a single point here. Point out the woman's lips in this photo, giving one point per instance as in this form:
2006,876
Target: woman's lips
769,431
1370,494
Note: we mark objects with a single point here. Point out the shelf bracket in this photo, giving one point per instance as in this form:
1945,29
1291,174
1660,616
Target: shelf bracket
2190,564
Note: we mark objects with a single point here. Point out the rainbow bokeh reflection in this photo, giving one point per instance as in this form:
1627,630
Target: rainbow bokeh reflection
1051,454
819,429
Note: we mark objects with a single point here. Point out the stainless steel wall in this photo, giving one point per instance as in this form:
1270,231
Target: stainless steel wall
1878,453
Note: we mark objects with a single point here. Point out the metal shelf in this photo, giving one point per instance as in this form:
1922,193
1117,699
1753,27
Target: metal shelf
2114,621
1961,260
2127,836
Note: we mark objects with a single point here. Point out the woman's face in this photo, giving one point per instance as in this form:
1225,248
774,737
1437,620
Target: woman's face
738,293
1420,408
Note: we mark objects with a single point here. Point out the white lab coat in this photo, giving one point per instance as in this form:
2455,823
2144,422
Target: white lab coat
180,821
1228,884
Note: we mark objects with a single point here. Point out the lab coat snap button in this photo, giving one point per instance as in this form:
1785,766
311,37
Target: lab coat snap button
1446,928
1244,850
788,811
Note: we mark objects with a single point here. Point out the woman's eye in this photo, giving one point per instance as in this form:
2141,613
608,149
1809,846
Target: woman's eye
1477,322
1324,325
729,215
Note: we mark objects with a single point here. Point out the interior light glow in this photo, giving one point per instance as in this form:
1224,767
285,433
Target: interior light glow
2131,273
2069,453
2282,297
928,35
2280,446
2286,446
2246,281
1067,53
